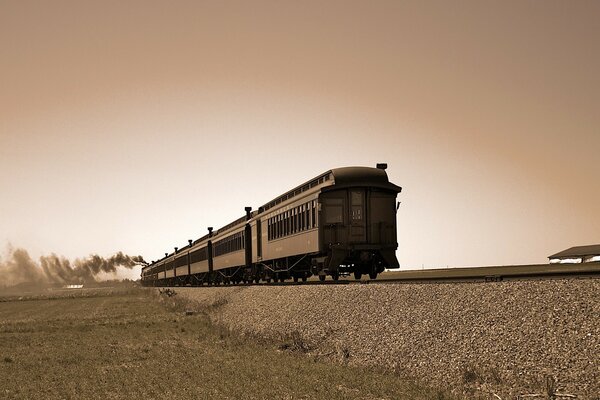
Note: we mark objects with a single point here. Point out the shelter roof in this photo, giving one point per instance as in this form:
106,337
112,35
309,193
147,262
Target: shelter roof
578,251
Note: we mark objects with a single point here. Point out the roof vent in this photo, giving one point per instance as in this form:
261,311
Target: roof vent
382,166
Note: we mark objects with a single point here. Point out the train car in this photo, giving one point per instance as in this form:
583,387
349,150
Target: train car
341,222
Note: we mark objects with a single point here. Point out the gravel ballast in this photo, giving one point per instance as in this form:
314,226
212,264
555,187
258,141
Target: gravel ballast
489,340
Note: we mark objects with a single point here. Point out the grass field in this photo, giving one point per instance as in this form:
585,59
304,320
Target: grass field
130,344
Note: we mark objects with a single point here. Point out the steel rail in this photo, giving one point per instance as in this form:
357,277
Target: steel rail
458,275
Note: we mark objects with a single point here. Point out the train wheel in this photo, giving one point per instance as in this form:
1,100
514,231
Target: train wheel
373,274
322,278
304,279
295,279
357,275
335,276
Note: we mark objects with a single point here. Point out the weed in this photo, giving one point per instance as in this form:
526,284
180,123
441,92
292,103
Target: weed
223,332
470,375
550,387
294,342
345,354
476,374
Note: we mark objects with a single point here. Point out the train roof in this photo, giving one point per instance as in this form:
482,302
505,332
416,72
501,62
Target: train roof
363,176
343,176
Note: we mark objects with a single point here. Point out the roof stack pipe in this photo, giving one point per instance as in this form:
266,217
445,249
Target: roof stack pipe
176,248
166,255
210,229
190,242
382,166
248,210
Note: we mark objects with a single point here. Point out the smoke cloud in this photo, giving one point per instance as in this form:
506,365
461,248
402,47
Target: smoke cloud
18,268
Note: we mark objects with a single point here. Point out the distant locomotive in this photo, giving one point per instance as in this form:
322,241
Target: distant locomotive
341,222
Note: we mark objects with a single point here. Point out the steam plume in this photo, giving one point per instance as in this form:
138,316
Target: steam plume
19,268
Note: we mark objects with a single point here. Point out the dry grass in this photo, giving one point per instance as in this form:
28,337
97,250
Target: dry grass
132,345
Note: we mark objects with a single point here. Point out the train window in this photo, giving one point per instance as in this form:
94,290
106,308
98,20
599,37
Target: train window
286,225
334,212
307,215
303,225
314,214
279,226
295,220
357,198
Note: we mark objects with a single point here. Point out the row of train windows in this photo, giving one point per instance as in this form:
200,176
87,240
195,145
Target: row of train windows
292,221
195,256
230,244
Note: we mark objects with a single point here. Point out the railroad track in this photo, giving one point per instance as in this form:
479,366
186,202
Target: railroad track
449,275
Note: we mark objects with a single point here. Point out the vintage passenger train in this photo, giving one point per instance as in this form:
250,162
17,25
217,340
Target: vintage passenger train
341,222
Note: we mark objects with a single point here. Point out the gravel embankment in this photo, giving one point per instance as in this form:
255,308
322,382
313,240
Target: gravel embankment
480,339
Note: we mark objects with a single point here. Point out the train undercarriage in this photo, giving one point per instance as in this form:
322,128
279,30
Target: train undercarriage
300,268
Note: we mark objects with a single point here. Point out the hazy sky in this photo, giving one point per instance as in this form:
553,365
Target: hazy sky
134,125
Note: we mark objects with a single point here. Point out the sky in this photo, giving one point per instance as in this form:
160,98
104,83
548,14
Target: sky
134,125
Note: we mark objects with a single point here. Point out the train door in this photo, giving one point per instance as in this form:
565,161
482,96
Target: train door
333,218
382,217
248,244
258,239
358,231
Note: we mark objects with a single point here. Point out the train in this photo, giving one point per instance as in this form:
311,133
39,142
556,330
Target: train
340,223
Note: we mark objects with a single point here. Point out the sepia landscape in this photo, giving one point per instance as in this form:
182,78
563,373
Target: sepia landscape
329,199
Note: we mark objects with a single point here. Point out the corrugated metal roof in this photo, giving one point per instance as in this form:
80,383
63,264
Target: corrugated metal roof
578,251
